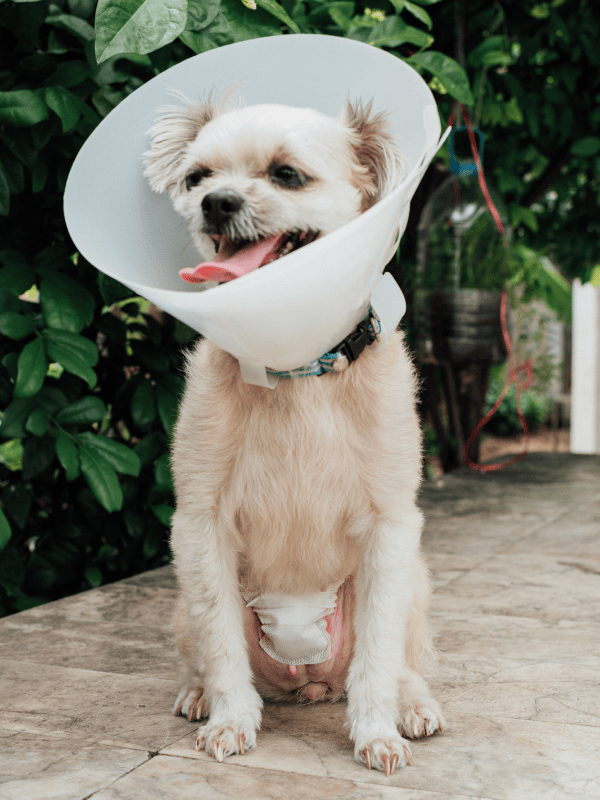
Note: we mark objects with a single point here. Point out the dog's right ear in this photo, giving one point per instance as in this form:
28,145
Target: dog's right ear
170,136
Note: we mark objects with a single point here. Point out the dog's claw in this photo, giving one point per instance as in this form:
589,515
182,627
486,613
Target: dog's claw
394,764
242,746
388,766
219,753
367,754
199,741
409,758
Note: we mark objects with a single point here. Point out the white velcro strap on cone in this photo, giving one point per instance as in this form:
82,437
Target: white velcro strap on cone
388,302
257,375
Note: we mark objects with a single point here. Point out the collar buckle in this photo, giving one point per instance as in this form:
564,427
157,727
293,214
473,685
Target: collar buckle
355,343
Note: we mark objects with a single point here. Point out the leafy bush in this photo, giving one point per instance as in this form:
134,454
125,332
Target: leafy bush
505,422
89,379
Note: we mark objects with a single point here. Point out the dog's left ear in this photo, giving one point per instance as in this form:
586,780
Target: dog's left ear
174,131
381,163
170,135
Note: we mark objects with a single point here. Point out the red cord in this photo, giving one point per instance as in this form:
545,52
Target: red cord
512,378
513,375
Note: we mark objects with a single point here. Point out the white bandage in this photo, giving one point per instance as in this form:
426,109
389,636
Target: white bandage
295,627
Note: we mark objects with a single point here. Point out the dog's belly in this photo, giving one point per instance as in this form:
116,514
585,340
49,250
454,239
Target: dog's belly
311,682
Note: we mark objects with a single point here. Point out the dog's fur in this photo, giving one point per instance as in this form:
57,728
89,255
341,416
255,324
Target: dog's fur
307,485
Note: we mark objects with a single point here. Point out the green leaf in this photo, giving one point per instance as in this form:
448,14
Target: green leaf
69,73
143,409
73,352
38,455
78,27
277,11
14,417
4,193
163,513
84,411
15,326
93,576
31,369
393,31
521,215
22,108
448,72
491,52
11,455
167,404
111,290
66,452
137,26
37,422
14,175
5,531
152,543
201,13
64,105
101,478
16,278
419,13
118,455
66,304
39,174
162,473
586,147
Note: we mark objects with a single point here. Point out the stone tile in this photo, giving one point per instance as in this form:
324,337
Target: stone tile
479,755
37,767
576,535
543,484
58,640
173,778
521,640
160,578
474,538
573,702
124,601
89,706
526,585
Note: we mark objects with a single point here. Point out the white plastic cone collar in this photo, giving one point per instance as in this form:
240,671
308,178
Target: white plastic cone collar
293,310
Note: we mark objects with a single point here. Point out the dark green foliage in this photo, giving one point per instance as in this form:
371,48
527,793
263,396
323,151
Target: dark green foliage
505,422
89,380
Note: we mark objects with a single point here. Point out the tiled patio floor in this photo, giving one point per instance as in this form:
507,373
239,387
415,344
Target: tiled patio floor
87,683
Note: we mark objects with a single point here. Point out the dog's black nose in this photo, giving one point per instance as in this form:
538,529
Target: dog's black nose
219,207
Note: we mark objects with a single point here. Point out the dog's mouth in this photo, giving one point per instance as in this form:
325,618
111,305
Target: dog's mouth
237,257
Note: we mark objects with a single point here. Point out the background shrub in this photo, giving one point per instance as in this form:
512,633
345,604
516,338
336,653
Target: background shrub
89,379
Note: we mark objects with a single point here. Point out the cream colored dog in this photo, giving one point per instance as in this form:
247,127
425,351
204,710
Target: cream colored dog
308,486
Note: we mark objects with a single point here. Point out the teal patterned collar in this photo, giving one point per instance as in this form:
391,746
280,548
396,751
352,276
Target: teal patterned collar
366,332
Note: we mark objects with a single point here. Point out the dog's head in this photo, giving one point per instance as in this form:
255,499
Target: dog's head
273,175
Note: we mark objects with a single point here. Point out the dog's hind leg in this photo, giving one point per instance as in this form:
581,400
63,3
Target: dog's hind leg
216,651
384,592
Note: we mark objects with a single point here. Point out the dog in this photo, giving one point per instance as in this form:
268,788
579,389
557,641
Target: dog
307,490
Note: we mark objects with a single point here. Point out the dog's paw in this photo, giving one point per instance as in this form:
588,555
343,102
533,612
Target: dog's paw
422,718
384,754
191,703
226,738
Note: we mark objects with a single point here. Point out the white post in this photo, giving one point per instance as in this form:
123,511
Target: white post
585,375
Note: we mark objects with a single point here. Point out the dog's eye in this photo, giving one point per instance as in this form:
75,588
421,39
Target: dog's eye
287,176
194,178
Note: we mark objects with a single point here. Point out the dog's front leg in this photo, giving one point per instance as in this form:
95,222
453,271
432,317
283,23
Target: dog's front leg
207,573
383,597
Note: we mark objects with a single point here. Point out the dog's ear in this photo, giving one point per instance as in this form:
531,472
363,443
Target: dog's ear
169,137
382,165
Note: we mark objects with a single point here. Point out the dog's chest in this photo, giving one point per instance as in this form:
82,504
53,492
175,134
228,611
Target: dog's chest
295,489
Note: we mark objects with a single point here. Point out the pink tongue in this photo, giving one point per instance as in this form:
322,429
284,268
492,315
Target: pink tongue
229,264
